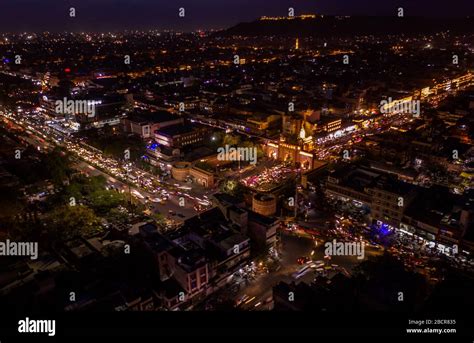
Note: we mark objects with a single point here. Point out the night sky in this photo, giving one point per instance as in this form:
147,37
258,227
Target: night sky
104,15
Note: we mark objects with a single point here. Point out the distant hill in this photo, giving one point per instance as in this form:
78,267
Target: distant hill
350,26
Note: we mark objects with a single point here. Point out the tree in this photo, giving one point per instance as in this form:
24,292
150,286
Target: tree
216,139
67,222
102,201
204,165
108,131
231,140
117,147
249,144
73,190
116,216
10,203
79,188
233,188
13,215
95,183
159,219
58,163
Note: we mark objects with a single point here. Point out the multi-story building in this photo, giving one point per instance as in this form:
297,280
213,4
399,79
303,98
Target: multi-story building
264,204
145,124
178,136
442,218
288,152
198,258
182,171
385,196
327,124
263,122
390,198
261,229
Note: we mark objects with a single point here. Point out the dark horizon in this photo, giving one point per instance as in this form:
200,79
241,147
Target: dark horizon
119,15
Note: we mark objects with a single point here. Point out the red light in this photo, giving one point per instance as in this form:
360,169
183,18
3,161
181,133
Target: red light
67,70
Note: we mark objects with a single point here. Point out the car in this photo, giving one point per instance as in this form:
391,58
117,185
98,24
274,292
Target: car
302,260
301,272
137,194
242,299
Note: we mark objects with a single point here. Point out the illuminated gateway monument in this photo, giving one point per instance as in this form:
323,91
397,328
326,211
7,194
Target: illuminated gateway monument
298,154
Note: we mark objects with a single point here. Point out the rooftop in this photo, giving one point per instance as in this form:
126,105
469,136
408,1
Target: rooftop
264,220
152,117
174,130
360,178
226,199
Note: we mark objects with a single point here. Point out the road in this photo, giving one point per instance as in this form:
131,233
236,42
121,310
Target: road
181,201
172,204
295,246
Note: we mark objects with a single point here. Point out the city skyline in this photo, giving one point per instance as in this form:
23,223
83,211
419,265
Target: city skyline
119,15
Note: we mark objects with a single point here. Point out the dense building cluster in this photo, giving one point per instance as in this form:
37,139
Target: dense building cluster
162,170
